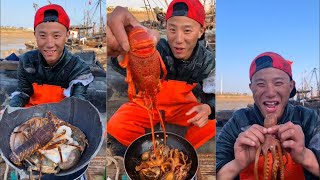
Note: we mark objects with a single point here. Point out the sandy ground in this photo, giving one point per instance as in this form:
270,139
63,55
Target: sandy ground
228,102
143,16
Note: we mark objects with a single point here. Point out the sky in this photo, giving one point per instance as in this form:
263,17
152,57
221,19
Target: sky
247,28
20,13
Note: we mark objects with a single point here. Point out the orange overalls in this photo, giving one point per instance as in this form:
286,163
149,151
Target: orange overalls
45,93
175,98
292,170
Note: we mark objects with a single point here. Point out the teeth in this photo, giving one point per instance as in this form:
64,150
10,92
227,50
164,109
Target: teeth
271,103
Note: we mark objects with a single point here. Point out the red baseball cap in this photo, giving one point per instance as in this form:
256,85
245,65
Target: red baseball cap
189,8
271,59
51,13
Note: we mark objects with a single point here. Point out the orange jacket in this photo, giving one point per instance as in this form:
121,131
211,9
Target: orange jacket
45,93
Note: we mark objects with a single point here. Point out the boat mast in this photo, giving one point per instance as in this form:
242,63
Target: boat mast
149,9
101,28
166,2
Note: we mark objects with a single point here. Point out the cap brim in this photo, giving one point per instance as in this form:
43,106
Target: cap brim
293,92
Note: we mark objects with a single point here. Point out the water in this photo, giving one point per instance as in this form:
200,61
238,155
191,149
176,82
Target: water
13,40
7,46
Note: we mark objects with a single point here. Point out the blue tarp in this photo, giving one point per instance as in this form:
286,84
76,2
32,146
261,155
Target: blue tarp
12,57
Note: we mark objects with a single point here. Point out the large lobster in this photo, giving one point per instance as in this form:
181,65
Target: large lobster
274,146
35,142
144,64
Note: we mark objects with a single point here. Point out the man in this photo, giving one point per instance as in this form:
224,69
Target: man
298,128
187,63
50,73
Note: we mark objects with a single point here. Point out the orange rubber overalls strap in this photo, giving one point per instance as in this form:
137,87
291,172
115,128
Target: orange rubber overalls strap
175,98
292,170
45,93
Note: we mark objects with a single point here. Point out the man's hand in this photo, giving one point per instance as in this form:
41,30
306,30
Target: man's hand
119,22
201,118
245,149
247,144
292,139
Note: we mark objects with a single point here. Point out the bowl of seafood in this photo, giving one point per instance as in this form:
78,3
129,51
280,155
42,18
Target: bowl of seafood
56,139
173,158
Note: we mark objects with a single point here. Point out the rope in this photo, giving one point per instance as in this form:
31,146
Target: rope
117,166
6,172
113,159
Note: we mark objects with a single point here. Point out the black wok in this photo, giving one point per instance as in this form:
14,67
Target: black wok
133,153
80,113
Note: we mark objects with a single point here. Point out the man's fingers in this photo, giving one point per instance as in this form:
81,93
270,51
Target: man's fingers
130,20
288,144
289,131
111,40
194,119
156,35
203,121
113,47
285,127
121,56
250,135
273,129
261,129
120,24
258,132
192,110
121,36
243,140
288,134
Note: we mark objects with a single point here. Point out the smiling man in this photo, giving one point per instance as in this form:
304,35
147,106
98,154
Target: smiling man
50,73
297,128
188,63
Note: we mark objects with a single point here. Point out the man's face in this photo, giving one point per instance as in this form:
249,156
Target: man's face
271,89
183,34
51,38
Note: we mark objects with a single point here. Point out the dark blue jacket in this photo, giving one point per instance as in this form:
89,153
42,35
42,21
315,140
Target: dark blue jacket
34,69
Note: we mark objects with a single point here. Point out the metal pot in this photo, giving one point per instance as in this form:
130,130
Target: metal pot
133,153
80,113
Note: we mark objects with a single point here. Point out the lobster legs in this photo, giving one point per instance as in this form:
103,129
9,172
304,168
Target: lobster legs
149,110
129,80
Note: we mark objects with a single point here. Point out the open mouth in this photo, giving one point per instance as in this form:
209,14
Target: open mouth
49,52
271,106
179,50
